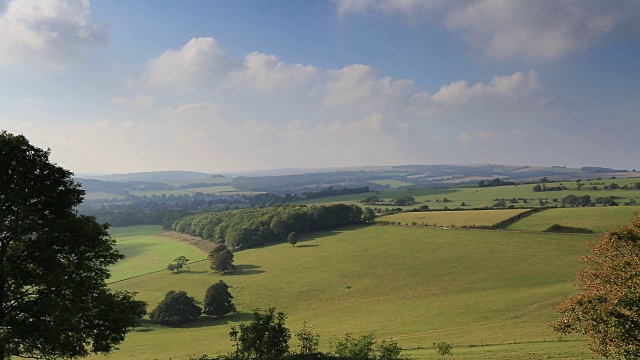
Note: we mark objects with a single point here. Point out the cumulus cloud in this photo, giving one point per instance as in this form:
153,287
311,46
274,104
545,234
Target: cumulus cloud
144,102
506,29
267,73
361,85
197,62
48,32
370,123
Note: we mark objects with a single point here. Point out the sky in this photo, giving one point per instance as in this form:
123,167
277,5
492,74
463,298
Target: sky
233,85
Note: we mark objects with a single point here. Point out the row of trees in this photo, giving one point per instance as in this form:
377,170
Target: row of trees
252,227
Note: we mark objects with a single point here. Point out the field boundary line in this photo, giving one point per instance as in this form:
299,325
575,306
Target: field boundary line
151,272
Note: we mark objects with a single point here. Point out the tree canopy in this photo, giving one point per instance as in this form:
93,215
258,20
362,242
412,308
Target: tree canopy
221,259
177,308
218,300
607,306
54,301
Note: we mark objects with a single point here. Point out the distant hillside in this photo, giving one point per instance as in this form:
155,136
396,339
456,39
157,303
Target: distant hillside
154,176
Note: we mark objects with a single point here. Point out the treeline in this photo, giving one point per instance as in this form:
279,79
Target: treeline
494,182
257,226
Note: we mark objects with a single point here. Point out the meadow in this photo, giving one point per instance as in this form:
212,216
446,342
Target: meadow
414,285
597,219
452,218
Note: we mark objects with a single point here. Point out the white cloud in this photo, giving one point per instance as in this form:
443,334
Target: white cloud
465,137
202,108
266,73
371,123
505,29
48,32
196,63
361,85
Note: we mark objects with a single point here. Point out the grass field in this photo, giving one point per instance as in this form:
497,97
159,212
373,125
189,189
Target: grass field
597,219
416,285
453,218
392,183
219,190
145,252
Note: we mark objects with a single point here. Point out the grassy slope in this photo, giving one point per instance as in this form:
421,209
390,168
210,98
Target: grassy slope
145,252
597,219
418,286
455,218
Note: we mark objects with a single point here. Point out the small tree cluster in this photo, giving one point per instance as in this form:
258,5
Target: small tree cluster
177,308
363,348
217,301
265,337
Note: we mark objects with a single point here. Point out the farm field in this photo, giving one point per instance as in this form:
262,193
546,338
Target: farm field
224,189
415,285
454,218
101,195
597,219
392,183
145,252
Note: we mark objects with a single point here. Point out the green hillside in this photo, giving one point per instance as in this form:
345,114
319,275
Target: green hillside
597,219
415,285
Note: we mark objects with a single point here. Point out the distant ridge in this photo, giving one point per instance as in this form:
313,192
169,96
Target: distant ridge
154,176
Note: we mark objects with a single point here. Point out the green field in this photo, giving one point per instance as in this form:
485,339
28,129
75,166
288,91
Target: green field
597,219
146,252
99,195
392,183
452,218
416,285
218,190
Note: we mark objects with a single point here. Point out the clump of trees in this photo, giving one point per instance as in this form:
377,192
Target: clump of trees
54,263
404,200
218,300
607,307
252,227
177,308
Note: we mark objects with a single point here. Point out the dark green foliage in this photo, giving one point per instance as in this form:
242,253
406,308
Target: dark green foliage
292,239
556,228
443,349
54,302
309,339
218,300
252,227
368,215
221,259
265,337
389,350
404,200
177,308
573,200
355,348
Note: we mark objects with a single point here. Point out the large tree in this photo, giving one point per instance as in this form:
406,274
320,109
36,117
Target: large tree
218,300
221,259
177,308
607,306
54,301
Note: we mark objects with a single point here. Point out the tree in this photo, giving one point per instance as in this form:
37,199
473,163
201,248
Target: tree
177,308
368,215
355,348
178,263
218,300
292,238
443,349
265,337
309,339
607,306
54,301
221,259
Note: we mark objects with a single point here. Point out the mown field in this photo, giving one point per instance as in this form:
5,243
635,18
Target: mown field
452,218
597,219
415,285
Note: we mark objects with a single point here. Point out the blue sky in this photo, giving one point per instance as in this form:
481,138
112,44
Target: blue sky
242,85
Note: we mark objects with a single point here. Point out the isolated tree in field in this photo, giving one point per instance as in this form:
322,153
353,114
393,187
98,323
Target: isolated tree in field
607,306
54,302
178,263
292,238
265,337
177,308
221,259
218,300
443,349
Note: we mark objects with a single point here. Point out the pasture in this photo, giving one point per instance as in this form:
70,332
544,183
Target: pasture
415,285
597,219
146,252
452,218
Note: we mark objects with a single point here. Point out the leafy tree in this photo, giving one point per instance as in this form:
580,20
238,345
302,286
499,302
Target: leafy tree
368,215
309,339
607,306
389,350
221,259
443,349
218,300
54,302
355,348
177,308
292,238
404,200
265,337
178,263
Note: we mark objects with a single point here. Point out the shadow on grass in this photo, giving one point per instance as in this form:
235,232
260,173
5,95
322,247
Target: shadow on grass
206,321
305,246
132,250
246,269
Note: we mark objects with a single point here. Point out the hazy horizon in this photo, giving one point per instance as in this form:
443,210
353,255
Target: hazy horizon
235,86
